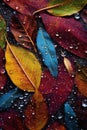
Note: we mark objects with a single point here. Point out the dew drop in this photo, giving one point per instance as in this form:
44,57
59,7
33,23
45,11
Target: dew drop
71,47
33,113
84,103
20,36
7,0
7,29
2,71
86,52
57,35
16,7
77,16
9,117
60,116
69,30
10,71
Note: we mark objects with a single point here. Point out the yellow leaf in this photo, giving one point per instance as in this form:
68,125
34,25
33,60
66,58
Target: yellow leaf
81,80
23,68
68,65
36,113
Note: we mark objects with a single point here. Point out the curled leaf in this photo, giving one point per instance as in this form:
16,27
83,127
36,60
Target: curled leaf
81,80
3,76
70,117
67,32
68,65
68,7
36,113
23,67
47,50
2,32
9,97
24,30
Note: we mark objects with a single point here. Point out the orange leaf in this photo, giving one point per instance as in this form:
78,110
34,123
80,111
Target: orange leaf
36,113
23,68
81,80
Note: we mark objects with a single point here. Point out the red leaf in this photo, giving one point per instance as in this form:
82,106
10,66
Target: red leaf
10,120
68,32
3,77
26,7
56,126
56,90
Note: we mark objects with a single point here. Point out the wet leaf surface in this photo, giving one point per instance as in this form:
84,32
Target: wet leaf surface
56,91
67,32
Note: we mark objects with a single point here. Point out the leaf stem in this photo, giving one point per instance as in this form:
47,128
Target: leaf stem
51,7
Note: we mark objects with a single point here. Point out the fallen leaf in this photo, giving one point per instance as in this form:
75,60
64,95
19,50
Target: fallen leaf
56,90
84,15
68,65
27,7
47,50
3,76
24,29
70,117
67,32
81,80
56,126
10,120
23,68
36,113
70,7
9,97
2,32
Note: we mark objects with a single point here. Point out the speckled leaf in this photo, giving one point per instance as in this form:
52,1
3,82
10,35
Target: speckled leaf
56,126
10,120
3,76
36,113
23,67
81,80
69,8
2,32
47,50
9,97
24,29
26,7
68,32
70,117
84,15
56,90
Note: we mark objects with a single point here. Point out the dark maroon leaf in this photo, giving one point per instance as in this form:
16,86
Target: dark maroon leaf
56,90
84,15
10,120
26,7
3,77
68,32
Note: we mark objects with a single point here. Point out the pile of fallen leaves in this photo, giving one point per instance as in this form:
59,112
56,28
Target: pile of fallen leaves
43,65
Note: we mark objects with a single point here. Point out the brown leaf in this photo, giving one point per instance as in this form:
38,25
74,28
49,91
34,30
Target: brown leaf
24,29
81,80
36,113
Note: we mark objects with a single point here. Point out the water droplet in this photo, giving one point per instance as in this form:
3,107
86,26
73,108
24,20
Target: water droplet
21,97
52,116
7,0
57,35
16,7
71,47
7,29
20,36
2,71
86,52
33,113
60,116
10,71
71,117
77,16
69,30
9,117
84,103
72,75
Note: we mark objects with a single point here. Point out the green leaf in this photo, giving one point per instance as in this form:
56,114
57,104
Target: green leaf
2,32
67,7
